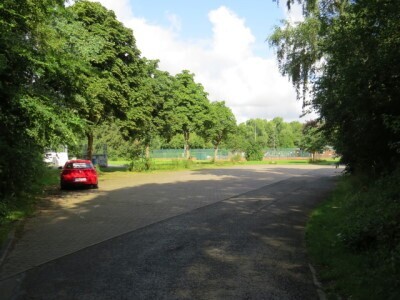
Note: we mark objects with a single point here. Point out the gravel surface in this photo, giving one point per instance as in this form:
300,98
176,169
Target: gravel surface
234,233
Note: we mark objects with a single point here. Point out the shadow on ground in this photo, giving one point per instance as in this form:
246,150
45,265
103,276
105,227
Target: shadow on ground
189,246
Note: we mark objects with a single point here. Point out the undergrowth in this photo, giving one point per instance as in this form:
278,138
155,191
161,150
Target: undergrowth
17,206
354,239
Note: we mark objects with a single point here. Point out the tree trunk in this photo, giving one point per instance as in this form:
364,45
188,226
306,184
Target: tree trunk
215,152
147,151
186,136
89,153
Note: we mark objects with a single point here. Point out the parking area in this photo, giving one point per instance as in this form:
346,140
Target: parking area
73,220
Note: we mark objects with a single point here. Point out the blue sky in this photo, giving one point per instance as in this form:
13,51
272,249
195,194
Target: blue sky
223,42
259,15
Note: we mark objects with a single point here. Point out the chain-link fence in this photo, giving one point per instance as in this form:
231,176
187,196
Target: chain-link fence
200,154
286,153
204,154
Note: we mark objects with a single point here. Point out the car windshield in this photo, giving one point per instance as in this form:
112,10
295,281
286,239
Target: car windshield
79,165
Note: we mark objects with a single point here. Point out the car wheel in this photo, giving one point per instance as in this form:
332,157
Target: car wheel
95,186
63,186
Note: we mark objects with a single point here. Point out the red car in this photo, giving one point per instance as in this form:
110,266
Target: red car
78,172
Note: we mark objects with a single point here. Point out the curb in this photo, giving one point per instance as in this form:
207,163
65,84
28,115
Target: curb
6,247
317,283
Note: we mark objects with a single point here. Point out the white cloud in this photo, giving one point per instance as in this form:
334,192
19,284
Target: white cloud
231,38
224,63
295,14
175,21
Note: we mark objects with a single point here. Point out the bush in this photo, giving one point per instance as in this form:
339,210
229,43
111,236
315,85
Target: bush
254,152
236,158
375,218
21,172
140,164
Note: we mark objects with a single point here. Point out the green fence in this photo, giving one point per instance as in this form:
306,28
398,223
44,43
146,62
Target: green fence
204,154
286,153
201,154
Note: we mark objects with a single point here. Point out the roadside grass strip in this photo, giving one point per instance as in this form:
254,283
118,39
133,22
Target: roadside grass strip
353,239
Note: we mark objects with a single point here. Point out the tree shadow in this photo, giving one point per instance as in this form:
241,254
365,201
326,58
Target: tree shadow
144,243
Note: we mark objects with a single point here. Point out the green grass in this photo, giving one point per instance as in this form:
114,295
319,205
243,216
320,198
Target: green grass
182,164
354,239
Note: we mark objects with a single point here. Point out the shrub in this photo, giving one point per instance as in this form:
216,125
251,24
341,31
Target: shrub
254,152
375,217
140,164
236,158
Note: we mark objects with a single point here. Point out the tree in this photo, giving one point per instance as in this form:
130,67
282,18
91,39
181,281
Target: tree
220,125
282,133
151,111
254,151
346,54
107,89
191,108
313,139
34,90
297,131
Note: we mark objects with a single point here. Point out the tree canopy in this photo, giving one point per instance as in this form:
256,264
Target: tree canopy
221,123
343,60
116,68
191,107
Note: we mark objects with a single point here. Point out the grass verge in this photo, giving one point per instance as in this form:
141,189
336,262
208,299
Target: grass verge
354,239
184,164
18,207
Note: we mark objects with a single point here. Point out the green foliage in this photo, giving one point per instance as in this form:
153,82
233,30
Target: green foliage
110,134
298,50
20,167
354,238
269,134
236,158
191,107
137,158
254,152
220,124
35,91
296,129
313,139
114,66
140,164
346,54
150,113
375,217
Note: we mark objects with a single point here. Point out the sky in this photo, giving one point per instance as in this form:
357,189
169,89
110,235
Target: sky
223,43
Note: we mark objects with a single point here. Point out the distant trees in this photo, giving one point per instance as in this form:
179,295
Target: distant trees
268,134
150,112
191,108
313,140
221,122
69,75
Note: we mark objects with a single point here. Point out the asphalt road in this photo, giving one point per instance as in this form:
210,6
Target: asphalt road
248,246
